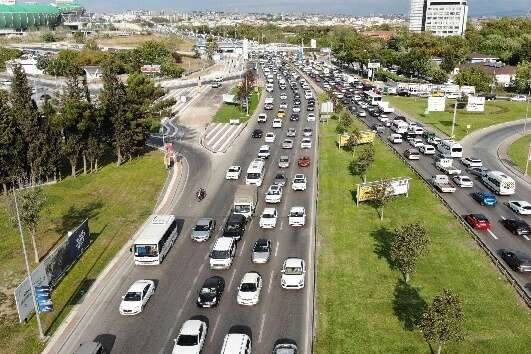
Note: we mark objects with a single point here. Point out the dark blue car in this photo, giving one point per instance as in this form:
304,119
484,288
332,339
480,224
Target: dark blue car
485,198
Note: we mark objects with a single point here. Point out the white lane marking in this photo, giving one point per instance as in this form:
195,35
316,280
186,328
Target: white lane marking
172,329
492,234
231,281
214,329
281,224
198,273
270,282
220,141
261,328
231,138
276,248
525,236
503,217
215,127
219,131
188,295
242,247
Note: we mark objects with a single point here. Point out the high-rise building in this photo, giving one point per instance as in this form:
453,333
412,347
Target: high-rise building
440,17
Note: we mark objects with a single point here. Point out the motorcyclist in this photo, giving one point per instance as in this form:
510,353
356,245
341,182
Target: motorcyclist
201,194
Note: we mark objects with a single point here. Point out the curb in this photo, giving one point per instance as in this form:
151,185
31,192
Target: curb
503,156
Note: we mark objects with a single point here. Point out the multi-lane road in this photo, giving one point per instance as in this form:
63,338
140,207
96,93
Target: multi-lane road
279,314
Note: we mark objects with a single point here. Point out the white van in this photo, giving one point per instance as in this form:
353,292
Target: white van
395,138
236,343
399,126
222,253
427,149
450,147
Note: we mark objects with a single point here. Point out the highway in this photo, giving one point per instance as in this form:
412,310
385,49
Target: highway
279,314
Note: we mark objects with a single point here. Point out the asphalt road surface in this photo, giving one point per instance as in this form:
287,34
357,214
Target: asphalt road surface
279,314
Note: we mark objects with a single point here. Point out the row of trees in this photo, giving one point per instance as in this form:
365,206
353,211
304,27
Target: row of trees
71,62
36,144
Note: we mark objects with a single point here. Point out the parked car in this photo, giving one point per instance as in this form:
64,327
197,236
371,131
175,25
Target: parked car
478,221
516,226
485,198
516,260
211,292
520,207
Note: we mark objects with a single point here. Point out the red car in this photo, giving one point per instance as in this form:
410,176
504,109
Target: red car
304,161
478,221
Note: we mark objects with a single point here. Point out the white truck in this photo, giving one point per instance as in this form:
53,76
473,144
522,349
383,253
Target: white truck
442,183
385,108
445,165
245,200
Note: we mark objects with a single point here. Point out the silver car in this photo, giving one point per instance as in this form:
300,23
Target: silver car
283,162
203,229
287,144
261,251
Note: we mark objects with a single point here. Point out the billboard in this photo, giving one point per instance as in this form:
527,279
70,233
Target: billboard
398,186
150,69
313,43
51,269
475,104
436,104
375,65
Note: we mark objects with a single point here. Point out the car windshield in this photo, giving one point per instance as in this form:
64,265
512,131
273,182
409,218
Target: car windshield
131,296
186,340
242,209
248,287
267,216
219,254
146,251
299,180
297,214
201,227
293,271
261,247
208,291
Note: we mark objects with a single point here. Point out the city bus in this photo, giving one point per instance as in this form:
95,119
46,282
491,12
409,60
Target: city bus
155,240
499,182
255,172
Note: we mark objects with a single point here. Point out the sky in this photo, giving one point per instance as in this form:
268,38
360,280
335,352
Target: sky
350,7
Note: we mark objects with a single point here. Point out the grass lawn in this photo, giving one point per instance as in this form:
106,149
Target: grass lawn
496,112
232,111
116,200
363,304
518,152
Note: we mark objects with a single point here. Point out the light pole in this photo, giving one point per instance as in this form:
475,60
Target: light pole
527,107
528,156
453,119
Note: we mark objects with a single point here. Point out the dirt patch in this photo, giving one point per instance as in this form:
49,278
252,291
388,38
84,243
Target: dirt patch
204,108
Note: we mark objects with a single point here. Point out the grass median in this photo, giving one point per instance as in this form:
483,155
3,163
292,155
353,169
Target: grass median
496,112
364,306
233,111
519,152
117,200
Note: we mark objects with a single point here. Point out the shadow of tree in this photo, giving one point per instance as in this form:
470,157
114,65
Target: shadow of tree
408,305
383,239
75,216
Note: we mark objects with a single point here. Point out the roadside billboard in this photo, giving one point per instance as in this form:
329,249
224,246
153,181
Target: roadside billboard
436,103
313,43
398,186
150,69
475,104
374,65
51,269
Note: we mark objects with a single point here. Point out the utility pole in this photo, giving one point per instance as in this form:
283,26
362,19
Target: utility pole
41,333
528,157
453,120
527,108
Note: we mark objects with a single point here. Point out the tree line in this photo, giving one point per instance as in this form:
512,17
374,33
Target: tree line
39,143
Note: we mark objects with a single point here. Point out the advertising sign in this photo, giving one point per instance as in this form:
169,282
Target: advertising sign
398,186
373,65
150,69
436,104
50,271
313,43
475,104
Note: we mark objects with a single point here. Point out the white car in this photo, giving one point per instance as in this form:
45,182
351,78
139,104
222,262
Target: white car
520,207
395,138
299,182
297,216
274,194
291,132
307,132
249,290
306,143
283,105
296,109
433,140
233,172
191,338
262,118
264,152
269,137
268,219
137,296
287,144
416,142
293,273
427,149
277,123
471,162
310,117
463,181
519,98
283,96
362,114
283,161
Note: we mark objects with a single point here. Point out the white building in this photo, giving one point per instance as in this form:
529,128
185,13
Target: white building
440,17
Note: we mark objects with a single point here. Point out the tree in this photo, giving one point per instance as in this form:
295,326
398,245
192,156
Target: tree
522,82
436,74
246,88
49,37
381,192
364,161
32,201
353,139
12,155
410,243
443,320
211,47
8,54
474,77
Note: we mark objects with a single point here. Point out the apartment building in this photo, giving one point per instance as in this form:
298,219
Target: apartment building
440,17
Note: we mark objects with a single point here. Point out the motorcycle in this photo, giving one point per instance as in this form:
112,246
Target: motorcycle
200,194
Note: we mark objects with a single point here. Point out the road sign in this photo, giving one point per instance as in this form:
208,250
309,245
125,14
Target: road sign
374,65
43,298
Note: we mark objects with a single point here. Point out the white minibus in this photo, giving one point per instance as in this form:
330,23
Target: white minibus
499,182
255,172
155,240
450,147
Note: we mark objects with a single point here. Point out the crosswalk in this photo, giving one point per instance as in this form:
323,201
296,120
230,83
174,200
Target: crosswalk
189,92
218,137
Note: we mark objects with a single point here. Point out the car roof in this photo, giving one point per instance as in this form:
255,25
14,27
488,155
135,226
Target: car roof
262,241
268,211
223,243
138,286
521,202
191,327
251,277
204,221
293,262
234,167
212,281
297,208
299,176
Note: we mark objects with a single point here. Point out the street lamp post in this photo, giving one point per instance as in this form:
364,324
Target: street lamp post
528,157
527,108
453,119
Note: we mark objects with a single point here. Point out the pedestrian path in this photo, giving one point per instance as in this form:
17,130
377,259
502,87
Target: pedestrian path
218,137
